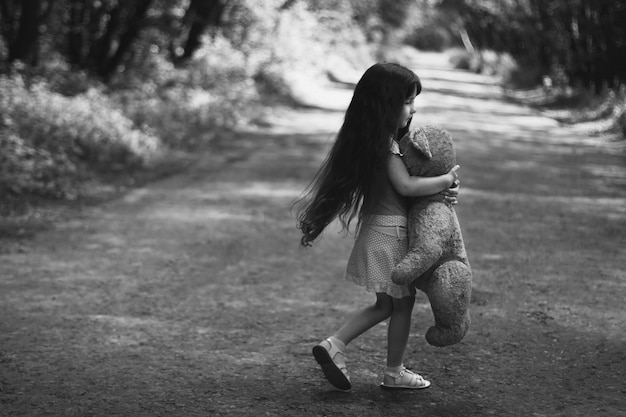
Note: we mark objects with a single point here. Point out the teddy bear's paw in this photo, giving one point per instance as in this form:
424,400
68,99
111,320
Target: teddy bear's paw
441,336
401,276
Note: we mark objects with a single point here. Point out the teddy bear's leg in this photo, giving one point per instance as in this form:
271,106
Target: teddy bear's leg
449,290
429,230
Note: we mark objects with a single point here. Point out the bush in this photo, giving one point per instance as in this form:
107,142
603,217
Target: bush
61,78
59,127
619,111
235,72
50,142
502,65
281,47
25,169
186,104
429,38
460,59
621,124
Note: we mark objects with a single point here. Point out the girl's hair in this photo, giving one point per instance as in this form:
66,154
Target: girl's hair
361,148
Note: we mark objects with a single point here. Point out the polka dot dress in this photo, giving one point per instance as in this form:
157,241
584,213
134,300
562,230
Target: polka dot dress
381,243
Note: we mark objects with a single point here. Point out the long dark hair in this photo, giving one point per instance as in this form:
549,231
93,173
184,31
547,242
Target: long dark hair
361,148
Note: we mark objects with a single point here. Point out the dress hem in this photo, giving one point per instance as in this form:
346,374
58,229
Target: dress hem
392,290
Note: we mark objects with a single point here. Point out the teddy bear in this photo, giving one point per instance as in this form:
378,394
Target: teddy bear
436,261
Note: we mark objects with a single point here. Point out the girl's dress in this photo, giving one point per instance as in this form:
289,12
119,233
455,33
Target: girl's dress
382,239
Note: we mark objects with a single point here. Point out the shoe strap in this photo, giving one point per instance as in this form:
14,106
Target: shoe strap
335,354
416,379
331,348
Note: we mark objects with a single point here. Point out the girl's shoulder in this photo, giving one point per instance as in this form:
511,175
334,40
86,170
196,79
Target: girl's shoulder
395,148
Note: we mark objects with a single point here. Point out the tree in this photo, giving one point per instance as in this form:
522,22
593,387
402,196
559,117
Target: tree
200,15
101,33
21,22
582,39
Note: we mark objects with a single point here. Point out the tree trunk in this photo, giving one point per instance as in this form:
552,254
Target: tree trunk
102,48
202,14
133,27
25,45
75,35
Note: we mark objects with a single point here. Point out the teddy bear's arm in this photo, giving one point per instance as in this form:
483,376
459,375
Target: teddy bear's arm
429,233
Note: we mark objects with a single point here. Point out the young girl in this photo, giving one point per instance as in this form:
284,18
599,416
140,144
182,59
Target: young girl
364,177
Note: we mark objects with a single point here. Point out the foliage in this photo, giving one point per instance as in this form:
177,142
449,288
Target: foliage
581,41
184,104
94,85
229,76
393,13
101,85
427,29
26,169
50,142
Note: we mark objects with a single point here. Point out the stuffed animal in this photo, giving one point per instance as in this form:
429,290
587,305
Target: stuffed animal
436,262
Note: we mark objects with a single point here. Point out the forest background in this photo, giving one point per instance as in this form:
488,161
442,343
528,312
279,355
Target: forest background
98,95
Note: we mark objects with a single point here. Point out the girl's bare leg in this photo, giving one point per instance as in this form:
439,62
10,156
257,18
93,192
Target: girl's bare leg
399,329
364,319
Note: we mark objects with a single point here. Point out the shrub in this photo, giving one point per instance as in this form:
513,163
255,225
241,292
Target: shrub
460,59
235,72
186,104
502,65
429,38
619,111
61,126
50,142
25,169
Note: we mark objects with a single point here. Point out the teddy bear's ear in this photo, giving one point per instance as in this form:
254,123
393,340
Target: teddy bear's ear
420,142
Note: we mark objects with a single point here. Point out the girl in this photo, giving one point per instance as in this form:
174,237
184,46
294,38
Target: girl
364,177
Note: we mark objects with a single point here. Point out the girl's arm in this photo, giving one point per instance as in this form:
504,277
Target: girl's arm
409,186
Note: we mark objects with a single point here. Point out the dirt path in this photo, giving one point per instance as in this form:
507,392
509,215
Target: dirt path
190,297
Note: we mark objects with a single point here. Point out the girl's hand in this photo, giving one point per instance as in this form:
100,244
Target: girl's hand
454,177
451,194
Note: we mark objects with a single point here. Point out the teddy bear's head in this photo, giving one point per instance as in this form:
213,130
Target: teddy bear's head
428,151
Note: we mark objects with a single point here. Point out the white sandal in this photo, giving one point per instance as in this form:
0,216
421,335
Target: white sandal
405,379
333,364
